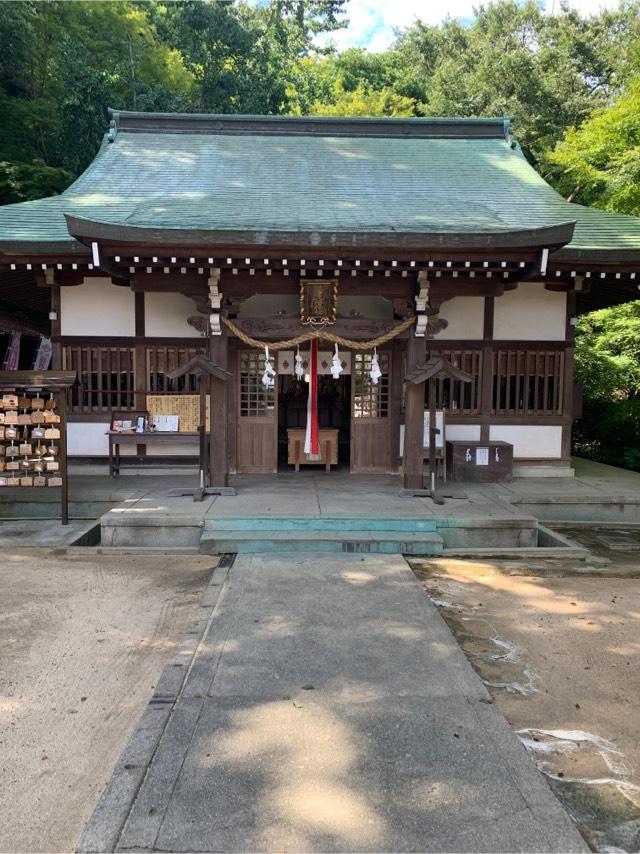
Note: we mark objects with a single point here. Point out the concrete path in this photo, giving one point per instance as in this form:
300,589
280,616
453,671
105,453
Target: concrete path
327,708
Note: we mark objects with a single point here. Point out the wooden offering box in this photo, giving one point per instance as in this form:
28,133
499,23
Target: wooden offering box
328,456
479,462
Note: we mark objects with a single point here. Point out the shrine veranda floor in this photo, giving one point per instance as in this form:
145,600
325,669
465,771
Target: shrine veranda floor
597,494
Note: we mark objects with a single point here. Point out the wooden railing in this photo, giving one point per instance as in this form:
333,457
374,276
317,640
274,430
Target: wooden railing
528,382
458,397
105,377
112,377
161,360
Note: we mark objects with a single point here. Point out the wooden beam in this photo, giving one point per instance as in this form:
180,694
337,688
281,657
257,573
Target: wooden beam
139,315
162,283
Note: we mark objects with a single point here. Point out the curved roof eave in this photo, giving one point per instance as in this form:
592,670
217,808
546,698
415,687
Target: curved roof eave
86,230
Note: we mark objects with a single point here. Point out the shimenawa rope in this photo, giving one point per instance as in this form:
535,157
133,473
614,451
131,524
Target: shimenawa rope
321,334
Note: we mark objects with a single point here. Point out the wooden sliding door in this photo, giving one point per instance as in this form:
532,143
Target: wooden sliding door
257,438
371,422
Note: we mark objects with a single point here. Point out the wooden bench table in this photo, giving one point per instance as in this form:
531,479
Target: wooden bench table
130,437
328,447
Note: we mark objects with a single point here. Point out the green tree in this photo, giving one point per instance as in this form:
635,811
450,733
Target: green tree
245,57
63,65
548,71
608,352
364,102
600,160
328,81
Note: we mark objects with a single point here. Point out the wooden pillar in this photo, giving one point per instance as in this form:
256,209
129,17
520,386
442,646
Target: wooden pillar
486,375
140,379
64,468
218,408
56,346
568,384
204,388
413,455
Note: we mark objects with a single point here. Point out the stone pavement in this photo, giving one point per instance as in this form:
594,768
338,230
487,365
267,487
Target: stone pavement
326,708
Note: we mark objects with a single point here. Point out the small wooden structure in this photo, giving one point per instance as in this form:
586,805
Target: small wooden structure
327,442
435,368
212,381
480,462
56,384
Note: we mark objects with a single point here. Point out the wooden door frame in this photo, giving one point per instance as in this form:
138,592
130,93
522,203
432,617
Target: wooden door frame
240,419
391,420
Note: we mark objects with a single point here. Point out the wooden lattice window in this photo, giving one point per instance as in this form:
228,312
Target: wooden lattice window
161,360
528,382
458,397
255,400
369,400
105,377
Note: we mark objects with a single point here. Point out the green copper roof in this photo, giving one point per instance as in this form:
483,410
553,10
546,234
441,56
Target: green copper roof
267,176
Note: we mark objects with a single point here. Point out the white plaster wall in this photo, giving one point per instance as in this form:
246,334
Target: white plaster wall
87,439
165,316
530,312
462,432
97,307
465,316
529,441
452,432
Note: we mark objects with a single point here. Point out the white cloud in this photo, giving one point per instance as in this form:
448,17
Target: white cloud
372,22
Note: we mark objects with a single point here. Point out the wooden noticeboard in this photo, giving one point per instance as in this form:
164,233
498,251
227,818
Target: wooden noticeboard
33,431
185,406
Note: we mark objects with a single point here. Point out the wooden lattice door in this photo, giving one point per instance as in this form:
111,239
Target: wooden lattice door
257,440
371,424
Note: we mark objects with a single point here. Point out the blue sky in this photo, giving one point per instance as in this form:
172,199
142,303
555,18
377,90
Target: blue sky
372,21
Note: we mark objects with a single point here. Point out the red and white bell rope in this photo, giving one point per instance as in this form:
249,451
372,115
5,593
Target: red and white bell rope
311,444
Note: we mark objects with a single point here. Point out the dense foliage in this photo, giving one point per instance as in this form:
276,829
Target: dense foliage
62,64
608,365
572,83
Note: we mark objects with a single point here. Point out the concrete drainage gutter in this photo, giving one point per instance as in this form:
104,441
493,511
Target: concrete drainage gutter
550,544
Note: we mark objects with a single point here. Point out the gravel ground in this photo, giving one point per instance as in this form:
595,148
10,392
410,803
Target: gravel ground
82,640
559,652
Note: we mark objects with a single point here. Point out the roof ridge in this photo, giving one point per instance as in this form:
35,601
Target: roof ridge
386,126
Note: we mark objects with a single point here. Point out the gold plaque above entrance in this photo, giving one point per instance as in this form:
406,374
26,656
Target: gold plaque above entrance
318,301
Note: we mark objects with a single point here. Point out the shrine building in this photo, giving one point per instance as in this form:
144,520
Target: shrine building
355,249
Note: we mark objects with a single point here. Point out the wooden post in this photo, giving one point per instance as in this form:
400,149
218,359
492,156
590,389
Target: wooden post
432,436
218,452
203,475
413,454
568,380
486,375
64,468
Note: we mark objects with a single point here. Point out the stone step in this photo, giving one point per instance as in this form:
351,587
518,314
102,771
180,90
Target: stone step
366,542
305,524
